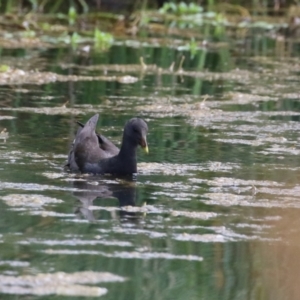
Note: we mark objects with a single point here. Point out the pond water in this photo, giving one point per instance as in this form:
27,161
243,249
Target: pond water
214,210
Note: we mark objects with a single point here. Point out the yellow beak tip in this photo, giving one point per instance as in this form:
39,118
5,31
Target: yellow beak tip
146,149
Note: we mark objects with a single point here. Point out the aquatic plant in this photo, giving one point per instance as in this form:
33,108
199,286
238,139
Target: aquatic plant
75,39
191,46
28,33
190,15
102,40
181,9
215,20
72,15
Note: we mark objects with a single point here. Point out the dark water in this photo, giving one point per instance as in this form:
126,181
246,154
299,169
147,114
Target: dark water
214,212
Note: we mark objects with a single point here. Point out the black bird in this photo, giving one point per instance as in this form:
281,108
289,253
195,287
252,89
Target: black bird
86,149
94,152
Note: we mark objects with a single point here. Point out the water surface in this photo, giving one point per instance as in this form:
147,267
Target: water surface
213,212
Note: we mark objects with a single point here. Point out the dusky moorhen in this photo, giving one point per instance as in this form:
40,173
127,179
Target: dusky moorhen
86,149
94,153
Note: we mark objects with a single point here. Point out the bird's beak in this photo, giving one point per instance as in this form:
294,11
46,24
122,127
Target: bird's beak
144,144
146,149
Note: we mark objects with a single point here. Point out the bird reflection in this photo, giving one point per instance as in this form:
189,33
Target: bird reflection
89,191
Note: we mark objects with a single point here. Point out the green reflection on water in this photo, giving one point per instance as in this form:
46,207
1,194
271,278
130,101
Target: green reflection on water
158,249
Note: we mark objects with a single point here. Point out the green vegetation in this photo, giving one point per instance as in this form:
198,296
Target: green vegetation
72,15
181,9
4,68
77,22
102,40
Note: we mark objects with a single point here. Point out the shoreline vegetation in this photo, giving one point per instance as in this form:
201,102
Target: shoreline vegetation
189,28
98,24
